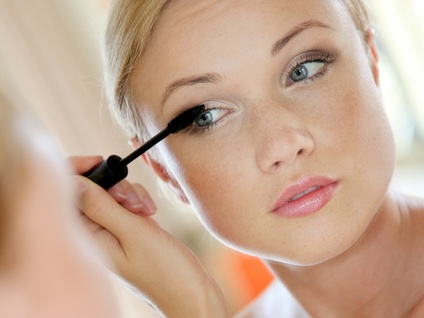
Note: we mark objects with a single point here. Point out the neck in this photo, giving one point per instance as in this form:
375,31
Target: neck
364,281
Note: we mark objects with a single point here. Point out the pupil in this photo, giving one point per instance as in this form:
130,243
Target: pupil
299,73
204,119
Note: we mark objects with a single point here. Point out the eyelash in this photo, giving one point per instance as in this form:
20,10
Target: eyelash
209,127
304,58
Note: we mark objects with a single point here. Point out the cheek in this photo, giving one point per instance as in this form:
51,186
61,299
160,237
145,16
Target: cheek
367,131
358,141
353,122
216,182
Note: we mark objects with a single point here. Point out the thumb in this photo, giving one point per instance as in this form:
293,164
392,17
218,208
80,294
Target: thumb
102,208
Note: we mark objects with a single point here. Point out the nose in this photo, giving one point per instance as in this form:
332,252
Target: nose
281,139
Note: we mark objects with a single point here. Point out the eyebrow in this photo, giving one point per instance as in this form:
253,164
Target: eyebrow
215,77
281,43
191,80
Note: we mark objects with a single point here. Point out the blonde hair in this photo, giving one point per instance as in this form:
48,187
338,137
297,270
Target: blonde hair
129,28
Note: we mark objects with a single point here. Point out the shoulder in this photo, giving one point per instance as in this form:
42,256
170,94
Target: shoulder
274,302
416,226
413,209
412,216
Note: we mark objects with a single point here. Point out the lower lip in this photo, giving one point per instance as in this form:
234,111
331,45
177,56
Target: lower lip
309,203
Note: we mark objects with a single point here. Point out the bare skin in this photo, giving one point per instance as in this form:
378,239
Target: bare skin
349,258
130,237
381,264
49,266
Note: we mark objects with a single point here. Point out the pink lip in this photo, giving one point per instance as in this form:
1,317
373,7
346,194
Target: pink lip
312,194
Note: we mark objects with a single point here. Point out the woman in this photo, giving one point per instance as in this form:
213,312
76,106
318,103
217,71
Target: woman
291,161
48,265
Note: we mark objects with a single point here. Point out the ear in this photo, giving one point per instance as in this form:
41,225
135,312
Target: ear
369,37
160,171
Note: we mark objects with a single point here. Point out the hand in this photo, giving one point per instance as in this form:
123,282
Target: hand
142,253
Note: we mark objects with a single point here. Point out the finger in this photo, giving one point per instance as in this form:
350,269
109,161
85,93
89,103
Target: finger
149,205
119,191
106,241
101,208
138,200
133,197
82,164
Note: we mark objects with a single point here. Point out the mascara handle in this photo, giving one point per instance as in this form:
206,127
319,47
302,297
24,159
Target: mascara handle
108,173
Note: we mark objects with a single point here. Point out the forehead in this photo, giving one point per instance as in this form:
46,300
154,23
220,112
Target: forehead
194,37
180,13
188,21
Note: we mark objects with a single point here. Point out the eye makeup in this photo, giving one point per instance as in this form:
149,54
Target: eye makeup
209,119
300,63
114,169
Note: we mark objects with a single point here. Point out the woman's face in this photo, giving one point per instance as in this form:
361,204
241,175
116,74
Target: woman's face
294,155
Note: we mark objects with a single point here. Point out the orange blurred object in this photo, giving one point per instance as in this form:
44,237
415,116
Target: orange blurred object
242,277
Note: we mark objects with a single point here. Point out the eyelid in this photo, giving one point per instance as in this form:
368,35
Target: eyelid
212,105
307,57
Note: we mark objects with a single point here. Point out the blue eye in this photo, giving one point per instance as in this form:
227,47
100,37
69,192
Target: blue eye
207,119
204,119
307,67
306,70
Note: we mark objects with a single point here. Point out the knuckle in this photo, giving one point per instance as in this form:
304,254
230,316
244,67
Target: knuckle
93,204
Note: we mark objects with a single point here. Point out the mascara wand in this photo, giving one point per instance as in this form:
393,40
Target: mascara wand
114,169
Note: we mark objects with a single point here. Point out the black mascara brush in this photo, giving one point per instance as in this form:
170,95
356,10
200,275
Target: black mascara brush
114,169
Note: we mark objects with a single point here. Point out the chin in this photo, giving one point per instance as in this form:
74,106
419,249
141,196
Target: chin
317,247
309,257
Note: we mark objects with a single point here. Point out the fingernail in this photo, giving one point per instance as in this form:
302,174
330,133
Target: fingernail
120,191
134,200
150,205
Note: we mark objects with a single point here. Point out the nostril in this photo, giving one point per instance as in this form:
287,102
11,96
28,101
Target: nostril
283,147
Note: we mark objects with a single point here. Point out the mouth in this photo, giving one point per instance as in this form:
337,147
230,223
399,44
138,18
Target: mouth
309,190
305,197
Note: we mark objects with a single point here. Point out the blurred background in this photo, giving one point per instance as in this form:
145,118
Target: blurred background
50,60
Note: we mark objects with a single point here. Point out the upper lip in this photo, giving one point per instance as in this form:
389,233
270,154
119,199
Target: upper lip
300,187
